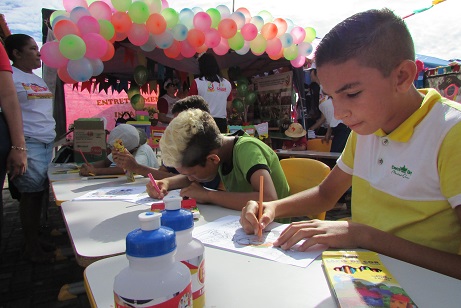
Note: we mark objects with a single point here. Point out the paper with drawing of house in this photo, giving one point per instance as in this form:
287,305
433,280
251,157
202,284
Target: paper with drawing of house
227,233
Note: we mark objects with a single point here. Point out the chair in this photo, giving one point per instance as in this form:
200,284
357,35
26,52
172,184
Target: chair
318,144
304,173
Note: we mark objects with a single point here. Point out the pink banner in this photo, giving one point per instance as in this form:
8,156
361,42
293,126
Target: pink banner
81,104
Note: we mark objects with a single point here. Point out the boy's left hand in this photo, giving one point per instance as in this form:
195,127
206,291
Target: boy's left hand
335,234
195,191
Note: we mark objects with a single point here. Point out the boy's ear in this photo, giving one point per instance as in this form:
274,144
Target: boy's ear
406,73
213,158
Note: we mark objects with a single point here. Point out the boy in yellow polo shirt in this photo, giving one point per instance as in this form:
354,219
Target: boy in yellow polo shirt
402,158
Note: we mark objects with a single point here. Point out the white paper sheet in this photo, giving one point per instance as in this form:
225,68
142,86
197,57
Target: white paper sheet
227,233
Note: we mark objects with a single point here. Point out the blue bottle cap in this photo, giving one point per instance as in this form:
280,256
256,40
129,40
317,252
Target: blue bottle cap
151,240
174,217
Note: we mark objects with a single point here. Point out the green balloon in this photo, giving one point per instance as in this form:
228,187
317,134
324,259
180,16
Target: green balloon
250,98
137,102
134,89
236,42
72,47
140,75
242,89
139,12
171,17
237,103
215,17
242,80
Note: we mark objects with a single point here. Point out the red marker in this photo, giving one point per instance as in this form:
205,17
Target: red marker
154,183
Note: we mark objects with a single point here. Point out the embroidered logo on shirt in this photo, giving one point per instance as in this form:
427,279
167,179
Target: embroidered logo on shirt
403,171
210,87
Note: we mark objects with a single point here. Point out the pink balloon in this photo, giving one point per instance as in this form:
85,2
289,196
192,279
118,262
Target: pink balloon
245,13
51,55
195,37
187,51
222,48
227,28
202,21
109,53
249,32
100,10
65,27
121,22
298,61
273,46
69,5
120,36
212,38
281,24
298,34
138,34
88,24
96,45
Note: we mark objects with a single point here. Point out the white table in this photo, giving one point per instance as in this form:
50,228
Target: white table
97,229
54,173
66,190
236,280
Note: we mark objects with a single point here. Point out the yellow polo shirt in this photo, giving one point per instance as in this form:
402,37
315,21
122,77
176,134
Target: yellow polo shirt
409,181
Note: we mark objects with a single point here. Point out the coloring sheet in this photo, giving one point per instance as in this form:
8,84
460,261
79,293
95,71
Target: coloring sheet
124,193
227,233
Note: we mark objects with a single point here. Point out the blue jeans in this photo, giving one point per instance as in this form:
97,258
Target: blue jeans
39,156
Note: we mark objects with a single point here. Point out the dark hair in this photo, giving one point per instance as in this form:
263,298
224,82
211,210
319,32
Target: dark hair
209,68
16,41
189,102
202,143
375,38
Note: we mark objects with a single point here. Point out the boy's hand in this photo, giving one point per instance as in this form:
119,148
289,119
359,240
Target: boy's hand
87,170
335,234
152,192
124,160
249,218
195,191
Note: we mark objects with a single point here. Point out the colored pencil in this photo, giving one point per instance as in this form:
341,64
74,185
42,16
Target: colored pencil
260,204
86,162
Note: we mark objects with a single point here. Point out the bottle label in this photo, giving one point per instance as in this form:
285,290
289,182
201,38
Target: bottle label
197,271
181,299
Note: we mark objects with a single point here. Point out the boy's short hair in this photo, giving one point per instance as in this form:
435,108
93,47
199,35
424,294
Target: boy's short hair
189,139
190,102
375,38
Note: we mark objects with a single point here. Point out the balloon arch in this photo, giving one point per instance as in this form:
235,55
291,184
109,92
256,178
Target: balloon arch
86,31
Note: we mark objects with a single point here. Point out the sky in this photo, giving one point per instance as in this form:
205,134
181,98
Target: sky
436,32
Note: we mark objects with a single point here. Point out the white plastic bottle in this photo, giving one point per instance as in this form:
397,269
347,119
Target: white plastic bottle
153,277
190,250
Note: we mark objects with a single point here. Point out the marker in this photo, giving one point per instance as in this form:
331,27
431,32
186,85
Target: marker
154,183
97,177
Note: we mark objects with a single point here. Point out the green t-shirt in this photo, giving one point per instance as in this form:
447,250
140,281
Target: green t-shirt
249,155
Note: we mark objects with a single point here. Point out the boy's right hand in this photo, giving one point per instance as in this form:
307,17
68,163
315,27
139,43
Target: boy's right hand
249,218
87,169
153,193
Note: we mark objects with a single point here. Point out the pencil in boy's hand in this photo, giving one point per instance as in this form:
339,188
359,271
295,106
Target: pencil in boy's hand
154,183
260,205
83,156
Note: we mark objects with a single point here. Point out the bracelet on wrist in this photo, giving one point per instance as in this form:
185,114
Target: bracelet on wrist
13,147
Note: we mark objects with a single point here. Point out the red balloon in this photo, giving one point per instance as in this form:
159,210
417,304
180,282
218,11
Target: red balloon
227,28
195,38
65,27
156,23
269,31
173,51
109,53
64,75
121,22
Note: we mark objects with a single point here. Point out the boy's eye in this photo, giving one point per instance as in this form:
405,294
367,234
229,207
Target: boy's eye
352,95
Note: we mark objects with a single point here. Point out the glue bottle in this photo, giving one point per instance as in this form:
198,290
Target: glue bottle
153,277
190,250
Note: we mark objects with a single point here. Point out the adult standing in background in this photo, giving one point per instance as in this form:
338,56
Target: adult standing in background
165,102
36,102
214,88
13,156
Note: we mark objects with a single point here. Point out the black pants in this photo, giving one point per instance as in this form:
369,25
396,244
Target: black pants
222,124
340,135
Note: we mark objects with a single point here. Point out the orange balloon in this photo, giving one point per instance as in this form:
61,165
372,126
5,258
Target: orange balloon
109,53
269,31
173,51
156,23
64,75
276,56
227,28
201,49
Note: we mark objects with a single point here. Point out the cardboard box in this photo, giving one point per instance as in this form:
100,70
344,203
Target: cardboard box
90,138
